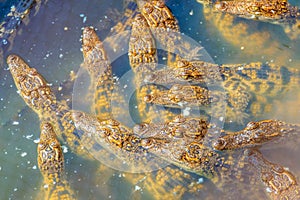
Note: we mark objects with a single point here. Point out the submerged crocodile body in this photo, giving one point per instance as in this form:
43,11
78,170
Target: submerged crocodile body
51,164
182,150
276,11
256,133
245,89
280,183
86,133
272,11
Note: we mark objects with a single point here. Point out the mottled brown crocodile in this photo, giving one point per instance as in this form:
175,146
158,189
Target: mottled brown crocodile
256,133
37,94
276,10
185,149
51,164
273,11
185,143
35,90
246,89
189,147
279,181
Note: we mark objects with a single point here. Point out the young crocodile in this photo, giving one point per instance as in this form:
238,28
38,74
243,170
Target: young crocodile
280,183
243,89
51,164
256,133
189,147
185,143
273,11
246,89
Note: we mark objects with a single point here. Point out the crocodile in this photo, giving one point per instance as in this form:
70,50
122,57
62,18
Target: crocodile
256,133
185,143
189,148
51,164
33,88
143,59
96,148
272,11
244,88
46,111
279,181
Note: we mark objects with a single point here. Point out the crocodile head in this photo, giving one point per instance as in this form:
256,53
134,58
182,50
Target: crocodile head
50,155
30,84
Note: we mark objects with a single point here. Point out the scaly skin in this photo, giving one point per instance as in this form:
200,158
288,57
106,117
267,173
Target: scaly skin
37,94
158,15
104,90
118,139
185,95
273,11
280,183
100,71
172,142
238,33
143,58
277,10
246,88
51,165
188,149
142,47
163,24
255,133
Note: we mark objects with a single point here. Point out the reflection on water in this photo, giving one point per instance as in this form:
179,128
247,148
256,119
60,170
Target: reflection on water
51,43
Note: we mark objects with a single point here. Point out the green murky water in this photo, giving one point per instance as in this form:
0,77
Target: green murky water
51,43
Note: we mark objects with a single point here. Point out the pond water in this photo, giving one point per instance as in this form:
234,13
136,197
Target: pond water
50,42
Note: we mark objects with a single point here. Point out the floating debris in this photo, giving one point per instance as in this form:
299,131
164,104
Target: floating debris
23,154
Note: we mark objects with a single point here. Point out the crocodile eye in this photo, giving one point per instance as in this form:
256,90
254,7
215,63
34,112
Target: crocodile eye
160,4
252,125
137,129
266,177
42,146
46,126
221,6
278,169
147,143
220,144
54,144
33,71
148,9
148,98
